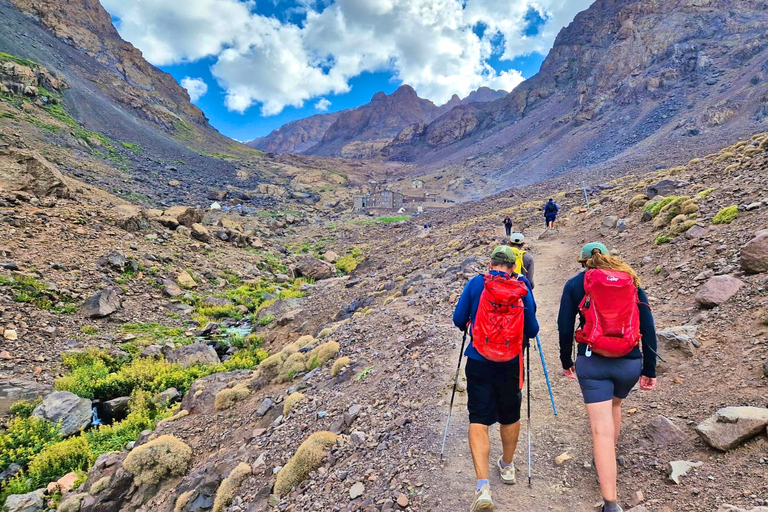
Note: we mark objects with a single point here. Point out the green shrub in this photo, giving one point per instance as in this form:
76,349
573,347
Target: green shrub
722,157
661,239
293,365
31,291
265,320
24,438
24,408
346,264
89,330
681,224
705,193
638,201
322,354
338,365
228,397
58,459
726,215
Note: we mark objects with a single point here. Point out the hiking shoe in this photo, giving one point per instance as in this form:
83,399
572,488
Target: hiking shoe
483,501
620,509
507,473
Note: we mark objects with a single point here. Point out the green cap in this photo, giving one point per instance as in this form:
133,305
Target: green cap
504,253
586,251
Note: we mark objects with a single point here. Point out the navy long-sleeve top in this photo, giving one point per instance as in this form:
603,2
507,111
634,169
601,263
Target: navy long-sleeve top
466,310
573,293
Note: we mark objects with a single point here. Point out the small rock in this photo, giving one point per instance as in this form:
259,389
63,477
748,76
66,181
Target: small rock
201,233
402,500
10,335
681,338
678,468
637,498
185,280
664,433
102,303
264,408
563,458
754,255
356,490
194,354
718,290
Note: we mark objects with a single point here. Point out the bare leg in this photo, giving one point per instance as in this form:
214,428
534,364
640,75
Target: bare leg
509,436
601,420
616,419
480,444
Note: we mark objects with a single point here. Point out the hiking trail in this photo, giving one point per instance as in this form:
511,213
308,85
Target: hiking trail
573,485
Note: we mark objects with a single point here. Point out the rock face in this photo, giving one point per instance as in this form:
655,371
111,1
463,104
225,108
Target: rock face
731,426
718,290
191,355
102,303
32,502
315,268
27,171
754,255
11,391
74,413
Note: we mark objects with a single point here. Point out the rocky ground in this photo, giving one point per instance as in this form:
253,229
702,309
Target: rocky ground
391,318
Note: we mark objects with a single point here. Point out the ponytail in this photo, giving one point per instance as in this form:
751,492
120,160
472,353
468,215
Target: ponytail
609,262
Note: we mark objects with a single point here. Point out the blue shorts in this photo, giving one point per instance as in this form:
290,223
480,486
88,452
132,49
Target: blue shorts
604,378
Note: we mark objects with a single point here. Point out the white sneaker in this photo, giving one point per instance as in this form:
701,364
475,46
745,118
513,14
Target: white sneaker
483,501
507,473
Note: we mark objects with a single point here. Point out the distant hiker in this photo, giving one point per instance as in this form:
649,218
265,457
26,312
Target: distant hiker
614,318
524,260
508,225
550,213
499,311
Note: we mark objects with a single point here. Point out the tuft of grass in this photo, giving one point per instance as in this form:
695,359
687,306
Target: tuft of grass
291,401
705,193
364,374
307,458
228,397
322,354
31,291
661,239
226,491
266,320
726,215
7,115
7,57
346,264
159,459
339,364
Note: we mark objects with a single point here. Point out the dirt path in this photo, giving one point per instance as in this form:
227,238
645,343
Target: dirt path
570,487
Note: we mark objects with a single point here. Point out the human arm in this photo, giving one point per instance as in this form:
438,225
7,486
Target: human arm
463,312
648,332
566,320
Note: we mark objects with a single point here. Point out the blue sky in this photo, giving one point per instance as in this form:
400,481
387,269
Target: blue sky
258,64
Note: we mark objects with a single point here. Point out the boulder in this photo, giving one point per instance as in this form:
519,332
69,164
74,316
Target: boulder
664,188
168,222
32,502
185,280
27,171
664,433
202,392
118,262
695,231
718,290
754,255
116,409
171,289
331,257
131,218
314,268
169,396
194,354
74,413
610,221
102,303
185,215
731,426
200,233
11,391
680,338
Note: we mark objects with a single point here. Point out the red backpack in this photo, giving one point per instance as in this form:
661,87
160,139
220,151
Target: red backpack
497,333
610,318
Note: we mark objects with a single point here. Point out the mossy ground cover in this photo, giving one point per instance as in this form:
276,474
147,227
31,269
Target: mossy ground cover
31,291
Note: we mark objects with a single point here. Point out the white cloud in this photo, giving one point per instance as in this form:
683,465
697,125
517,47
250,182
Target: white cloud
196,87
431,45
322,105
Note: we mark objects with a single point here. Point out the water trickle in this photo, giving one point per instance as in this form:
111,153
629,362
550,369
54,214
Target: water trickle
96,420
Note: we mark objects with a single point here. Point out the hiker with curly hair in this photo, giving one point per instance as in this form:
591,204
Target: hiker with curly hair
615,320
500,313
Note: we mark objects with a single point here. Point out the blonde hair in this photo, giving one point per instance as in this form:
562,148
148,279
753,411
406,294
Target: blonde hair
609,262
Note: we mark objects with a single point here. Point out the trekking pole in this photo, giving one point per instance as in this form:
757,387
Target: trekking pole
546,375
586,196
453,395
528,371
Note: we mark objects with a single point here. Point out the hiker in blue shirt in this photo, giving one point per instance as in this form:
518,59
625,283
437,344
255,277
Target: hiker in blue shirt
493,388
550,213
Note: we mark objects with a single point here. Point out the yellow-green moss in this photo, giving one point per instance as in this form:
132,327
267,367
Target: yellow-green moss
228,397
182,501
339,364
722,157
270,367
295,364
726,215
705,193
181,414
291,401
229,485
160,458
306,459
305,341
325,333
637,201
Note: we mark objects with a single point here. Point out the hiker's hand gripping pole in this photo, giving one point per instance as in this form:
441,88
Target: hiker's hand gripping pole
453,395
546,375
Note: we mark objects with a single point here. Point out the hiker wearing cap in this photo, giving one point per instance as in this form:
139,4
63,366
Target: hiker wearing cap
499,310
615,320
523,258
550,213
508,225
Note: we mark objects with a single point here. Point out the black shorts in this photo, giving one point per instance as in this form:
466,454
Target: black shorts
493,391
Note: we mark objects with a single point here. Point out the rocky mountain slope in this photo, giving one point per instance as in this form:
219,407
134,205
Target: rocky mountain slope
347,411
629,84
361,132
